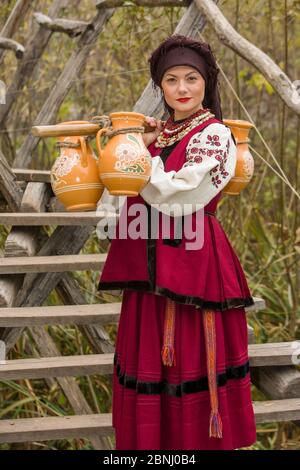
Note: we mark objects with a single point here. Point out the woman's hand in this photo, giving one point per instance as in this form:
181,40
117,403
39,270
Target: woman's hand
157,124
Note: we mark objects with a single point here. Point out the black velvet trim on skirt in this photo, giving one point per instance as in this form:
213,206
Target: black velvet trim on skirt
227,304
151,286
178,390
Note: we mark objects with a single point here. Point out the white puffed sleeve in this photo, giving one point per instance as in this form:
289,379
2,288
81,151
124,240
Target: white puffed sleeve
210,164
110,202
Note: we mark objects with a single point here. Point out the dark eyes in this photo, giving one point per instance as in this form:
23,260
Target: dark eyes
189,78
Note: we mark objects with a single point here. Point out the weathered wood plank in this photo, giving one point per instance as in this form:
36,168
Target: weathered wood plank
277,410
272,354
60,314
277,382
52,218
52,264
41,429
82,314
61,366
41,176
100,364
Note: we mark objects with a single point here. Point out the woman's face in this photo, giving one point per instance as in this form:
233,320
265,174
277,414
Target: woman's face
183,81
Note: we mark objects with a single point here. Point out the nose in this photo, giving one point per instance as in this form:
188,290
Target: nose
182,86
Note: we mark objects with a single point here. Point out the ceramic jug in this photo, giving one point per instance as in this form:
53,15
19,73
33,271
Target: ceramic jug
245,163
74,176
125,162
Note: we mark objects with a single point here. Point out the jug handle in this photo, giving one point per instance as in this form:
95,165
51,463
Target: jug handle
82,142
98,142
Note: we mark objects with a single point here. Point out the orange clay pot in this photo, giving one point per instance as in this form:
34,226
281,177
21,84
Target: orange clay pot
74,176
245,163
125,162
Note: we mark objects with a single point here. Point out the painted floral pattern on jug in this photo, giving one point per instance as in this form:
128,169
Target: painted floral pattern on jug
63,166
129,158
248,165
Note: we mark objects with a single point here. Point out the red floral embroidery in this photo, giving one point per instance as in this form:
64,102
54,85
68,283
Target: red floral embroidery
213,140
222,173
197,151
191,159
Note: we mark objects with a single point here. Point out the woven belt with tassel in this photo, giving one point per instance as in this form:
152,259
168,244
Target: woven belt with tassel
168,358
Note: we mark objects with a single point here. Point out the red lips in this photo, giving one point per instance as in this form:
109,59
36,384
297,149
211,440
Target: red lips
183,100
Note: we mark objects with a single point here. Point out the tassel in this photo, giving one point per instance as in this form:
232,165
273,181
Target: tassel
215,422
168,349
215,425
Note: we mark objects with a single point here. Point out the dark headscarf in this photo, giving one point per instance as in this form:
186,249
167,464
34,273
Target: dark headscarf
183,50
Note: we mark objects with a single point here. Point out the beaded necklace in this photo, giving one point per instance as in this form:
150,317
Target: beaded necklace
174,131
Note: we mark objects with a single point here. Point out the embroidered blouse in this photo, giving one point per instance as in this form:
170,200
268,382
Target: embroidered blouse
210,164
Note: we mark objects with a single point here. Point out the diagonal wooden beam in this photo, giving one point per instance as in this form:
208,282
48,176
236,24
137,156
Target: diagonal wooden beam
69,292
9,186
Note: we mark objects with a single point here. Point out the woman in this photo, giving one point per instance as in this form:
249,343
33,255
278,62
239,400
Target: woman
181,367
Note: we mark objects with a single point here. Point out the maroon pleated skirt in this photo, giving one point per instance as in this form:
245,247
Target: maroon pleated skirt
168,407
